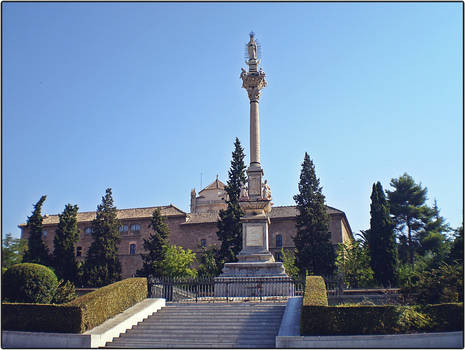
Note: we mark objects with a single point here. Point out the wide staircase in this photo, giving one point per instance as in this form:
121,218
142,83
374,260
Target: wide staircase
215,325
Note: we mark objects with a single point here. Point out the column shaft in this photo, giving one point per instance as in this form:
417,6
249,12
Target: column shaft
254,133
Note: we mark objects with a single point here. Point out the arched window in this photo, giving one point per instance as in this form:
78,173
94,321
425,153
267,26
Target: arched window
135,228
279,241
132,249
123,228
78,251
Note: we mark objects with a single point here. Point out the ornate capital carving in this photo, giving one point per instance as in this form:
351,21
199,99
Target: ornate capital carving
253,83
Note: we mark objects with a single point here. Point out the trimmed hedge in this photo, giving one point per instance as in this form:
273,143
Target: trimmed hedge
108,301
445,317
29,283
41,318
315,291
79,315
380,319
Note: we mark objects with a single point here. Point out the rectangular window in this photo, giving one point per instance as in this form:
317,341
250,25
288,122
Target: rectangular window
79,251
132,249
279,241
203,242
135,228
123,228
88,230
44,233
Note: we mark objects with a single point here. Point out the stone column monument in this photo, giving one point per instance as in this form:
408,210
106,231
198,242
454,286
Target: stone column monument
256,266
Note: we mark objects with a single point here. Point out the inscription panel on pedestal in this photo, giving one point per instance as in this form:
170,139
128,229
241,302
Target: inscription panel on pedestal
254,235
254,186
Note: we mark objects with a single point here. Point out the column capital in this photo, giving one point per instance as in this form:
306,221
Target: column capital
253,83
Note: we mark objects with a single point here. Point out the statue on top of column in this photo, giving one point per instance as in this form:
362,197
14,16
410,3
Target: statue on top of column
252,47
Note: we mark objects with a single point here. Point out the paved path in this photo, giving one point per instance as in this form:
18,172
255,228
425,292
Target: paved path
216,325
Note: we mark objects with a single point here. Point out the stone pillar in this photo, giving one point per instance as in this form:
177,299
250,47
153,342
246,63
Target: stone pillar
254,133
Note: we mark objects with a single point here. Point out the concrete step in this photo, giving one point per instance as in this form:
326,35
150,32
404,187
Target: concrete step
243,325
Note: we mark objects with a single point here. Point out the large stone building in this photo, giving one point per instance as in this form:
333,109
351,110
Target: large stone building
189,230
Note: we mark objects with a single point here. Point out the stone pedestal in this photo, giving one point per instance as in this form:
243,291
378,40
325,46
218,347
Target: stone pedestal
256,271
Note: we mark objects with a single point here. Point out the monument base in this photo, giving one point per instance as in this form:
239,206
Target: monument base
253,286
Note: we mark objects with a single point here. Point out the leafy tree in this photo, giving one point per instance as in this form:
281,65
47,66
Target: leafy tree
314,252
229,226
177,262
381,238
208,262
66,237
353,262
407,205
37,250
153,260
102,264
13,250
456,252
288,257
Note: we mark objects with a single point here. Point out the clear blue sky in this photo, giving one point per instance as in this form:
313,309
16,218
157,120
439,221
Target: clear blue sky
144,97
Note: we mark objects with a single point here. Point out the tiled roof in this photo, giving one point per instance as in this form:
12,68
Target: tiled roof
214,185
200,218
131,213
291,211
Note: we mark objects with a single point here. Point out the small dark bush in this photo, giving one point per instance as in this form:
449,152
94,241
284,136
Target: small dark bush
29,283
315,291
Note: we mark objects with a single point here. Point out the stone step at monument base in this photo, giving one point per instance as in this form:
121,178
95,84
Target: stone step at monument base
233,325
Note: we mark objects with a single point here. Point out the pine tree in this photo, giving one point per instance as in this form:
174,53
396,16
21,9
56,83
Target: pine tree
66,237
407,205
37,250
13,250
314,251
102,264
153,260
381,238
229,226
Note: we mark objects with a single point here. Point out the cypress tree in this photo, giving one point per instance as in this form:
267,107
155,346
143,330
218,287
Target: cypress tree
229,226
152,261
381,238
102,264
66,237
37,250
314,251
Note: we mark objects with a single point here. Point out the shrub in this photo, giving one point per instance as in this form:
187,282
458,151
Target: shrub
315,291
441,285
108,301
380,319
79,315
64,293
41,318
446,317
29,283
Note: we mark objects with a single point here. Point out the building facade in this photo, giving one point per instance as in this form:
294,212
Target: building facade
188,230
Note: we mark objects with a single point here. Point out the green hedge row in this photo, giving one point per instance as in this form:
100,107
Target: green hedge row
41,318
79,315
108,301
380,319
315,291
